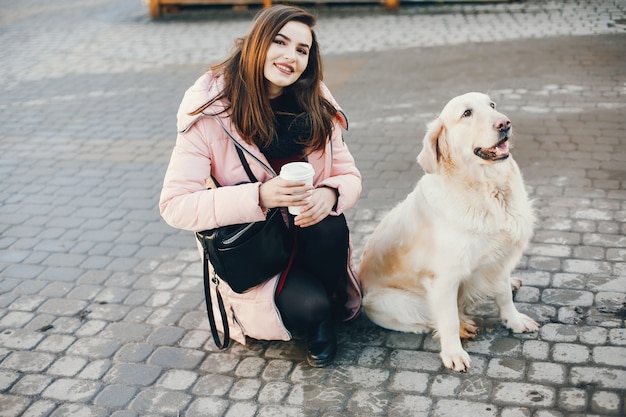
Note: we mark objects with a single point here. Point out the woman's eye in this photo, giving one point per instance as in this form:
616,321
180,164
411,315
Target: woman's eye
279,41
303,51
467,113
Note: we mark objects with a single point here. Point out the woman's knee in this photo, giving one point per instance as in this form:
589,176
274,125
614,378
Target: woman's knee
331,230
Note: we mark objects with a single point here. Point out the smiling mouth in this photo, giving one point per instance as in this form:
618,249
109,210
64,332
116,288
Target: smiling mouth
285,69
497,153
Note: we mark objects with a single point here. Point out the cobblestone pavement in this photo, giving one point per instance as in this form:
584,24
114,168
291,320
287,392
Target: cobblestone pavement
101,303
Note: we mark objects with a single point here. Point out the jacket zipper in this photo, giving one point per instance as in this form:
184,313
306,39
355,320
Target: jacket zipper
238,234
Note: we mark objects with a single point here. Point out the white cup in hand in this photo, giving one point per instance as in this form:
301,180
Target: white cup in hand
302,171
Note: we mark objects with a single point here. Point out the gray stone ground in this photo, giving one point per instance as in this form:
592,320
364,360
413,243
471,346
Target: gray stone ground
101,303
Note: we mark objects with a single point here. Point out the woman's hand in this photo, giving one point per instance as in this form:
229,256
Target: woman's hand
317,208
279,192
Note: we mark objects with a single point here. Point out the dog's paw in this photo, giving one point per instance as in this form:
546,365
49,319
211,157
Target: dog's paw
467,329
456,360
521,324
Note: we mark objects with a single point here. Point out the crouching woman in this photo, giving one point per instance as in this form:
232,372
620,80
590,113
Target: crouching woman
269,100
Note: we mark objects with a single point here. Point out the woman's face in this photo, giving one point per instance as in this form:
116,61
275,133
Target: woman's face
287,57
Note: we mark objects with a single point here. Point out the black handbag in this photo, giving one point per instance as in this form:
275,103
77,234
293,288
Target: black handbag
244,255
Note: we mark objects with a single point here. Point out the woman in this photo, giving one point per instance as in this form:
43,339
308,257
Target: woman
269,96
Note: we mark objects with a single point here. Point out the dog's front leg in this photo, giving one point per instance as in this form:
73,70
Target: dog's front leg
442,299
511,318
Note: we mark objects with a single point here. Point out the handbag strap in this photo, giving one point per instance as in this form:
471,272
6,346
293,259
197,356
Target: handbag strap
245,164
223,344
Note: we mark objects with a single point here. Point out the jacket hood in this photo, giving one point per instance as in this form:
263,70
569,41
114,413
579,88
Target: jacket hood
204,89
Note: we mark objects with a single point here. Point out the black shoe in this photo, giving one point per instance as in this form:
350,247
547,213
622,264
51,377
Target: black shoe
321,345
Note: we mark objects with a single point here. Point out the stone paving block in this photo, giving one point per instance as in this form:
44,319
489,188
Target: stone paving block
213,385
7,378
159,402
412,360
67,410
303,374
515,412
242,410
563,297
90,328
16,319
317,396
67,366
106,312
359,377
547,373
610,355
134,352
277,369
215,407
408,381
177,380
555,332
71,390
27,303
95,369
26,361
39,408
219,363
132,374
606,402
31,384
596,376
572,399
570,353
285,411
164,317
112,295
274,392
126,332
506,368
56,343
13,405
528,395
94,347
115,396
451,408
124,413
475,387
250,367
373,356
445,385
244,389
176,357
368,403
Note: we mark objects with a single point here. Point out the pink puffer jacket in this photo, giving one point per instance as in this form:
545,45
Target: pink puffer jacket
202,149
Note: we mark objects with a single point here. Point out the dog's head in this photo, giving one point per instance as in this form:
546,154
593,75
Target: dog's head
469,130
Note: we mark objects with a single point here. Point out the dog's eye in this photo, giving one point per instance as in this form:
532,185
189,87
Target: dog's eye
493,105
467,113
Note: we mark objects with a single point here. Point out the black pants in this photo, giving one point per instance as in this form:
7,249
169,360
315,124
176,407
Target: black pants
315,287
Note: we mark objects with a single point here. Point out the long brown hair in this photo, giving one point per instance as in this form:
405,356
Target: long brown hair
245,87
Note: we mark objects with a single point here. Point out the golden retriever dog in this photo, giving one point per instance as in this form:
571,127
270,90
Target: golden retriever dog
456,237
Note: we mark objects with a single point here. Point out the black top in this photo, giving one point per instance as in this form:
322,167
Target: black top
293,129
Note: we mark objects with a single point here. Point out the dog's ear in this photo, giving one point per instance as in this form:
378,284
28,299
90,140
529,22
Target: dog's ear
428,158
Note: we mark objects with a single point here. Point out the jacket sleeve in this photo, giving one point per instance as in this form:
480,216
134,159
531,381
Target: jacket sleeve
344,175
186,203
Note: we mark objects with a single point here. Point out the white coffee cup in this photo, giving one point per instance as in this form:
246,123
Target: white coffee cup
302,171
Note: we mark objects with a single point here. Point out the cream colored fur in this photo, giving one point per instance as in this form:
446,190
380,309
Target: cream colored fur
456,237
